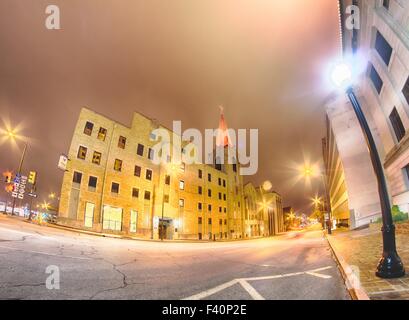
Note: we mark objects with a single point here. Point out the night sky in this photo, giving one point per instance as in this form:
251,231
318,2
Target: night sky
263,60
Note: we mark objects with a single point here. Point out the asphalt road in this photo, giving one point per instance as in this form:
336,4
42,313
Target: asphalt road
292,266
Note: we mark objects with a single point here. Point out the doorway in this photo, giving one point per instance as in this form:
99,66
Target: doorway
166,229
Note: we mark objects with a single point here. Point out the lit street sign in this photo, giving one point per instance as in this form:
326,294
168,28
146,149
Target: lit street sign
19,189
62,162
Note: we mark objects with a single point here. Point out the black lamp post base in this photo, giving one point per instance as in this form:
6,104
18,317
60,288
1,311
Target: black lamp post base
390,266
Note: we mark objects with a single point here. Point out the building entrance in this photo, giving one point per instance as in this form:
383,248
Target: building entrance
166,229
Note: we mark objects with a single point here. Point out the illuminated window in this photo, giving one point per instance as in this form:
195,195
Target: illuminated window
112,218
121,142
183,166
137,171
134,221
148,175
82,153
102,133
118,165
96,157
181,185
88,128
181,203
139,150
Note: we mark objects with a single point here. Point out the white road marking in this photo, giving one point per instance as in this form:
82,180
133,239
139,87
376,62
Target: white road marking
253,293
210,292
250,290
45,253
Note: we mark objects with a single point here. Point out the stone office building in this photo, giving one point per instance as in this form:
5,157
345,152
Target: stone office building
112,186
382,40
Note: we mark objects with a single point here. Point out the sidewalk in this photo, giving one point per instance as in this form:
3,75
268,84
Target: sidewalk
361,250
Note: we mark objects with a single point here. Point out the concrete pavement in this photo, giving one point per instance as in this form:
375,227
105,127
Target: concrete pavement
293,266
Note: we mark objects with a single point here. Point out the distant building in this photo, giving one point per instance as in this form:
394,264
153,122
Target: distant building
112,186
263,212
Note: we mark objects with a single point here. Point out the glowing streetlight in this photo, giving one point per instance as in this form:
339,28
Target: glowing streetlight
12,135
390,265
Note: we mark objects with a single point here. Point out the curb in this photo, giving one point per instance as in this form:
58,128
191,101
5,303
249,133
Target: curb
356,293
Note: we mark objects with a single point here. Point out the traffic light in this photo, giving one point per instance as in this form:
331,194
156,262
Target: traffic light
7,176
32,177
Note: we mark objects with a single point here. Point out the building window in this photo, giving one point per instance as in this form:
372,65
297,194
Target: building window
92,183
199,206
220,209
82,152
167,180
225,222
166,198
405,90
137,171
134,221
118,165
224,183
148,175
200,189
88,128
218,164
102,133
386,4
376,79
151,154
181,185
115,187
209,221
220,181
383,48
220,196
199,220
200,174
96,157
209,193
121,142
234,167
209,208
112,218
224,197
397,124
182,203
209,177
139,150
147,195
220,221
77,177
183,166
135,193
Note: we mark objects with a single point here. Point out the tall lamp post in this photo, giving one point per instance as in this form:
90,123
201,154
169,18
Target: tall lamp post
390,265
12,135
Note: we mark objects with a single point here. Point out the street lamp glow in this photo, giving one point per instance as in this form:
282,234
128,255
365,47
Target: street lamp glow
341,75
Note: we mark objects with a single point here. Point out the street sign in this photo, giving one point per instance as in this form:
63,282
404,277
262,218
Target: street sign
32,195
19,189
62,162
